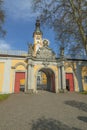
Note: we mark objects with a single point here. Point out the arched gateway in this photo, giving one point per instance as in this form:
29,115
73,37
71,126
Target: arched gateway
49,84
45,62
42,59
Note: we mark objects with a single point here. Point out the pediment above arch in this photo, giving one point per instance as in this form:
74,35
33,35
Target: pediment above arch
45,53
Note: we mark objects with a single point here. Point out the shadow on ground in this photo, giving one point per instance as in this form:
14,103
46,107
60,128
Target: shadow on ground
50,124
82,118
80,105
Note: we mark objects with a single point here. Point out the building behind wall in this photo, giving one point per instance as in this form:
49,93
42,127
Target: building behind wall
19,69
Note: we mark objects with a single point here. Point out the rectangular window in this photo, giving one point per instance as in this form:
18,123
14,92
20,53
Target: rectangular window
85,79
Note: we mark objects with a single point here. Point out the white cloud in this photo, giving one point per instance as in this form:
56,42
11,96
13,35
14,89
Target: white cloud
19,9
4,45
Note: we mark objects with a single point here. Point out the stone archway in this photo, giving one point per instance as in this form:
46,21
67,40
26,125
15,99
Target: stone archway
45,61
50,77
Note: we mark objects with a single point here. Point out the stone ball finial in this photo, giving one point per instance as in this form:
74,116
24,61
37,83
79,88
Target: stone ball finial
45,43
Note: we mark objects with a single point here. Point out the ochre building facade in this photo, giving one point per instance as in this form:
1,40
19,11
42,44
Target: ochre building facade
19,71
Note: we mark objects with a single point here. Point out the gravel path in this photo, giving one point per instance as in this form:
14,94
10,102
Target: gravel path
44,111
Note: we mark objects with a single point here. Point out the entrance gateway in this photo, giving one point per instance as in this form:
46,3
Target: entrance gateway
42,59
40,69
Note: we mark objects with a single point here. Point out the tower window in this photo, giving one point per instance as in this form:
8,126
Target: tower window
38,38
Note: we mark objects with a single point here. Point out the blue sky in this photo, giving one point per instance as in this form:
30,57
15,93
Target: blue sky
20,25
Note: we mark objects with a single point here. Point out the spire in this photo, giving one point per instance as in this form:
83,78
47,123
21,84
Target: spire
37,28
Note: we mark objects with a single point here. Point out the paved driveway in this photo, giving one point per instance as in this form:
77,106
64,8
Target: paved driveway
44,111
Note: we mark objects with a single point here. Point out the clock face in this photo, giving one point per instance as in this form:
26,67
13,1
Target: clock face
38,40
38,37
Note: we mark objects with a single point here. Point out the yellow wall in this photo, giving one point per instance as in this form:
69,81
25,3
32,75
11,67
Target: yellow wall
68,69
84,73
1,75
16,61
20,67
11,80
44,78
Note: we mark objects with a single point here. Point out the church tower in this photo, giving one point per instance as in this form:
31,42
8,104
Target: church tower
37,35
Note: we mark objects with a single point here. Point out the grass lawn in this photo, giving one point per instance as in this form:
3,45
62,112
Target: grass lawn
4,96
84,92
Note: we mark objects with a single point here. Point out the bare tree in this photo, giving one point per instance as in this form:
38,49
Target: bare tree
2,18
68,18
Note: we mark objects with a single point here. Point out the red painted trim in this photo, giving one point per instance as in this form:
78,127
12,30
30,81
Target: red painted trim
69,76
18,77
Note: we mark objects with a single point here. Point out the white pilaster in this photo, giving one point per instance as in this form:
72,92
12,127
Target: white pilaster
7,71
79,77
29,77
63,79
59,78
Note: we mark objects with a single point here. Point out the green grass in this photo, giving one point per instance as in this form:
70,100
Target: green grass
4,96
84,92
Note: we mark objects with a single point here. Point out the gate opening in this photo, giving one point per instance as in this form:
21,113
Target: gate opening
46,80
